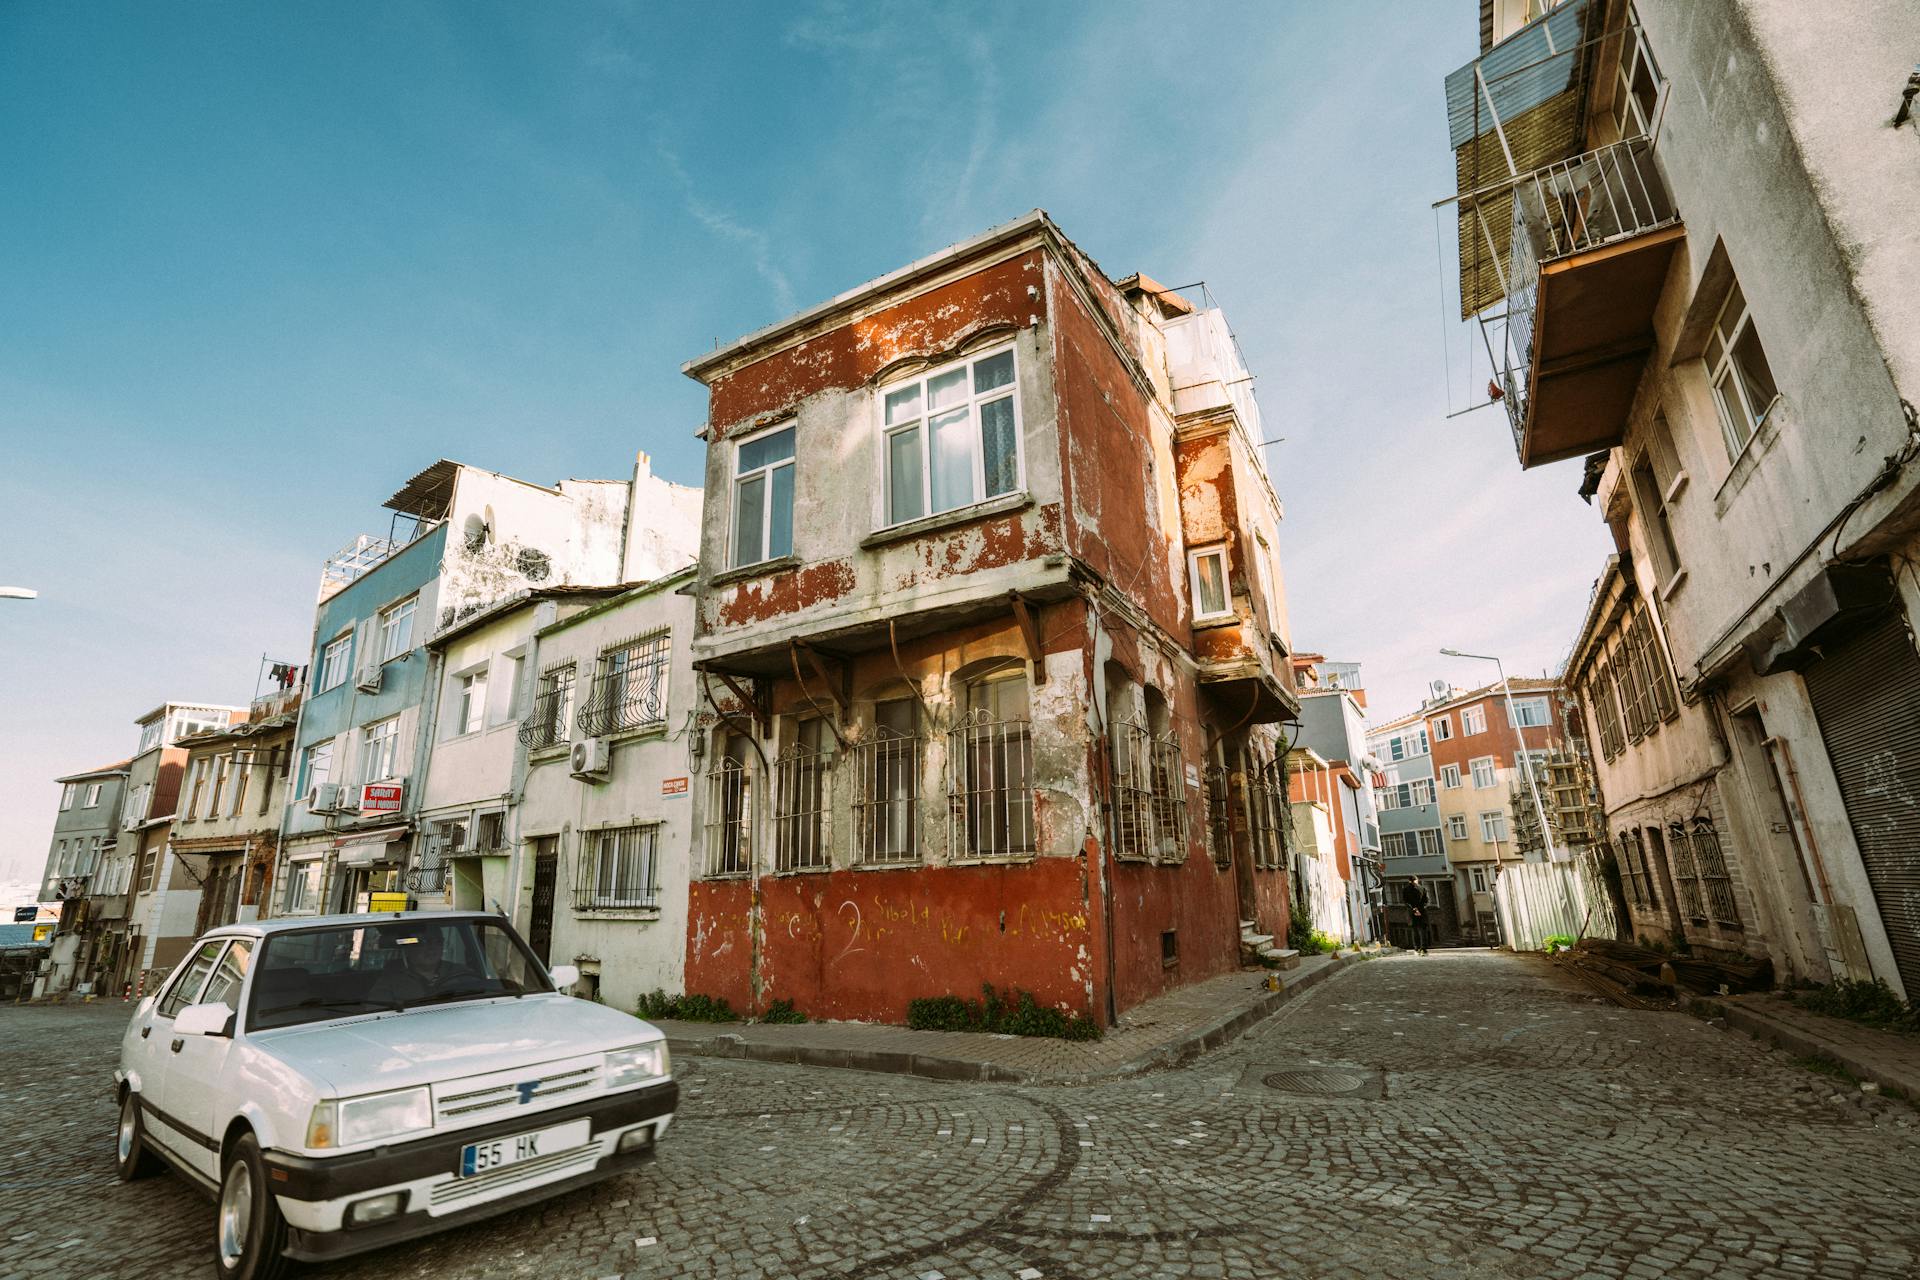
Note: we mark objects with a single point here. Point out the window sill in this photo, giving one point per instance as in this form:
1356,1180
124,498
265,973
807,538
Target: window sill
904,864
557,751
1673,585
640,915
758,569
1217,620
993,860
946,519
1673,489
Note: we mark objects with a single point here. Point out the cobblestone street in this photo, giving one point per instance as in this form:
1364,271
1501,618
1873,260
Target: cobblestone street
1463,1114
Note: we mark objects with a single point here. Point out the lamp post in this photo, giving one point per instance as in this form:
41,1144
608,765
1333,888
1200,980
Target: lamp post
18,593
1520,744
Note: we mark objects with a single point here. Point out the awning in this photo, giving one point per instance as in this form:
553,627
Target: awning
362,848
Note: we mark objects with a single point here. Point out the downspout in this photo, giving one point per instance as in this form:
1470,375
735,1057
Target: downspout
1096,693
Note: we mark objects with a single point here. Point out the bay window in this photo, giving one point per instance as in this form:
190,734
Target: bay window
951,438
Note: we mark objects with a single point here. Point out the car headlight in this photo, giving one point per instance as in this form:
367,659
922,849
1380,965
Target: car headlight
638,1065
369,1119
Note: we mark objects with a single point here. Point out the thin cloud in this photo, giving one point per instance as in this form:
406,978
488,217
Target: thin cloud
758,244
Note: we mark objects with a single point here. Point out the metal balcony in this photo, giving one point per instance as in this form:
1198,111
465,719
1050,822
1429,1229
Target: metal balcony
1592,238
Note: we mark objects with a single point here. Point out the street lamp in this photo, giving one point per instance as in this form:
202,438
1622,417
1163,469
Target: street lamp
18,593
1520,744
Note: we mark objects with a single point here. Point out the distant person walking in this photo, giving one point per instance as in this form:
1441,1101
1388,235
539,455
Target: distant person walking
1417,903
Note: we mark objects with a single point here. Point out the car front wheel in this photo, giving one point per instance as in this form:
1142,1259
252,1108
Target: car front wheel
131,1157
249,1233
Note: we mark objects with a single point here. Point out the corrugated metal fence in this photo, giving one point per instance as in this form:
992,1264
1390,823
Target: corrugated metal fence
1539,899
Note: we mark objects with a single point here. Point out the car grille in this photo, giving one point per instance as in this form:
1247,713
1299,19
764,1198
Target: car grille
463,1101
556,1163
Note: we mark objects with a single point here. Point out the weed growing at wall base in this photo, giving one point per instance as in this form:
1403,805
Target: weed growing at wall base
1871,1003
1020,1016
657,1004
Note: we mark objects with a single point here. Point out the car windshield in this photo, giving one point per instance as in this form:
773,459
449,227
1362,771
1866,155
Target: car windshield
311,974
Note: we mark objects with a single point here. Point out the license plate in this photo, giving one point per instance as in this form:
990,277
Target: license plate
483,1157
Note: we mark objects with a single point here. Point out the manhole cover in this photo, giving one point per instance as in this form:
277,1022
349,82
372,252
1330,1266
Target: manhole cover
1329,1082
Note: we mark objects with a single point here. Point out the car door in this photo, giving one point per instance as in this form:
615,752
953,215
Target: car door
197,1064
161,1045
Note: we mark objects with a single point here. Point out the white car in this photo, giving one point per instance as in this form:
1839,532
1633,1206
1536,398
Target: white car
343,1082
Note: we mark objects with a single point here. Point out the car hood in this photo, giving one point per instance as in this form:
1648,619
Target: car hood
449,1041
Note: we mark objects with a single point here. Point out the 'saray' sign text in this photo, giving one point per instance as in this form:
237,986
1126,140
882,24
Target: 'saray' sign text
380,797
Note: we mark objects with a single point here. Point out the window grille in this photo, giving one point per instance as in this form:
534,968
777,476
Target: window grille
1686,875
1633,867
1711,865
1271,816
989,786
552,708
1149,797
800,794
886,796
729,825
630,687
1219,821
617,869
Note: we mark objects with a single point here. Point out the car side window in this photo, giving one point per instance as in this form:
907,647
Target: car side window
224,986
182,992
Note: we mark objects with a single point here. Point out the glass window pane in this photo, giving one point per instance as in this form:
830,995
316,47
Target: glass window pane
1755,376
780,520
998,446
1211,587
1715,350
952,460
895,714
903,405
904,498
748,496
1733,412
776,446
994,371
947,388
1730,318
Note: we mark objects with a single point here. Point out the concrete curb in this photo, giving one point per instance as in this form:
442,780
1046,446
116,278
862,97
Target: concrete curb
1796,1041
1214,1035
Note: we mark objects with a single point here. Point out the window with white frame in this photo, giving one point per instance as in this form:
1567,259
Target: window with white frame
396,628
763,496
1442,728
1637,83
552,720
1484,775
67,794
1743,385
1493,825
1473,720
1531,713
93,796
318,766
1450,776
469,703
1208,569
303,887
1457,826
1479,874
951,437
380,746
334,660
1429,842
618,869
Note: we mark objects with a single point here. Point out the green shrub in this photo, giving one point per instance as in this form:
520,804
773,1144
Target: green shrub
657,1004
783,1011
1020,1015
1558,942
1300,931
1872,1003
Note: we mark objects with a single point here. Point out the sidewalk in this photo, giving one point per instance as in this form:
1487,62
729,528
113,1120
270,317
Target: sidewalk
1889,1060
1161,1032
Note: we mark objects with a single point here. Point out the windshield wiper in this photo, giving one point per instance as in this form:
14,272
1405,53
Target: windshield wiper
470,993
339,1006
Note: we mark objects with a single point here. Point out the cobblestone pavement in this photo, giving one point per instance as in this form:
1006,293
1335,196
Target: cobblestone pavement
1464,1114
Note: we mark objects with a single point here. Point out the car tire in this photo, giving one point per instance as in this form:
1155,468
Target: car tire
131,1157
249,1235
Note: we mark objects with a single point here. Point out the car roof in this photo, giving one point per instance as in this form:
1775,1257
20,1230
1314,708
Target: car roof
288,924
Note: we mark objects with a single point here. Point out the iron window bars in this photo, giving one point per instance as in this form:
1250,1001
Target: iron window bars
1219,823
1149,796
1710,863
548,725
618,869
989,786
1686,874
630,687
800,816
729,819
886,796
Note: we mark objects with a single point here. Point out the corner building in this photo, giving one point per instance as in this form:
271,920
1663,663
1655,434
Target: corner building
991,644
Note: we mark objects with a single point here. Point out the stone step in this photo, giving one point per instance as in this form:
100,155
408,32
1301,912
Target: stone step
1255,940
1279,958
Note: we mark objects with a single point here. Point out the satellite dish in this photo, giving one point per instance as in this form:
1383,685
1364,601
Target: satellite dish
478,530
1440,689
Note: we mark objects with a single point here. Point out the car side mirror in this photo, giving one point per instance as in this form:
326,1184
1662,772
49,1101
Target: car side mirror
203,1020
564,975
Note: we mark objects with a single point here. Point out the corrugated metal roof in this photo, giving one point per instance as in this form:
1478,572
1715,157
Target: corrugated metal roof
1535,63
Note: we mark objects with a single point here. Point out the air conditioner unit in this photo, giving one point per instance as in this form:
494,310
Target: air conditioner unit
591,758
368,680
323,797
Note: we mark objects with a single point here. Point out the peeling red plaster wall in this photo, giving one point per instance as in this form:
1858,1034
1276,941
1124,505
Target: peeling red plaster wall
783,593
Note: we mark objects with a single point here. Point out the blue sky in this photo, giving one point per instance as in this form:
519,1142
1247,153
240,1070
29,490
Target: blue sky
260,263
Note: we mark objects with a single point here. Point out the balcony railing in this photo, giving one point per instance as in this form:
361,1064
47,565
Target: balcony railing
1572,206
